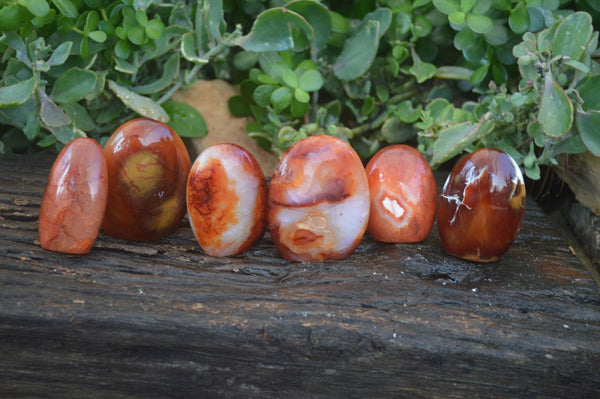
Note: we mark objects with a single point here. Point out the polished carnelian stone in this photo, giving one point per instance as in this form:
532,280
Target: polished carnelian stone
318,200
227,200
148,166
481,206
403,195
74,199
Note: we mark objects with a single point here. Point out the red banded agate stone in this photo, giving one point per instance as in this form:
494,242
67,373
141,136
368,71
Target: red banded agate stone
481,206
74,199
148,166
227,200
318,200
403,195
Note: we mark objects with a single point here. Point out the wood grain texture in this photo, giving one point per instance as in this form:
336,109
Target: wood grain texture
162,319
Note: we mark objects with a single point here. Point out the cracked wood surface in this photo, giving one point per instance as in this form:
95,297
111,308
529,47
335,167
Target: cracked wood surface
162,319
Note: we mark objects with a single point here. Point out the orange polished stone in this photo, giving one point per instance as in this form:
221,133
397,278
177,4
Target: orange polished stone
482,206
227,200
403,195
148,166
318,200
74,199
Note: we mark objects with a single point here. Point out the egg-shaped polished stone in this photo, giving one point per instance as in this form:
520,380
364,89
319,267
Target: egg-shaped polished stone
148,166
74,199
227,200
403,195
481,206
318,200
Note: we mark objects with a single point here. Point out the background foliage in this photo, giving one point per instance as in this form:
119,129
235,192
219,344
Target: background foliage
446,76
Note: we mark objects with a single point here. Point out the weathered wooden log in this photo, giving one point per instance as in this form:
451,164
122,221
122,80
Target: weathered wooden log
162,319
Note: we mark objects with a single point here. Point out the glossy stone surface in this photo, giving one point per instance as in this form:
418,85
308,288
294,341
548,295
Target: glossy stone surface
74,199
318,200
481,206
403,195
148,166
227,200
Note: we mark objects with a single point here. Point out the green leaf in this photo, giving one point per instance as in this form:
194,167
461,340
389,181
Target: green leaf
318,16
170,72
39,8
144,106
446,6
394,131
588,124
301,95
155,29
311,80
457,17
80,116
185,119
98,36
289,78
272,31
188,50
123,49
580,66
15,41
281,98
358,53
480,23
50,113
407,113
298,108
464,40
60,54
262,94
84,48
73,85
91,21
136,35
572,35
10,18
519,20
456,138
238,106
381,15
66,8
17,93
467,5
556,109
589,91
141,17
421,70
497,36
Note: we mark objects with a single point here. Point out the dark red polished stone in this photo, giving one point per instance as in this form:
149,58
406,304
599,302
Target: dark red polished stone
148,166
227,200
74,199
403,195
318,200
481,206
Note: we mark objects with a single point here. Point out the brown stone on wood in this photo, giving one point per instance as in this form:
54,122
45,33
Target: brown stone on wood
163,319
148,167
74,199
